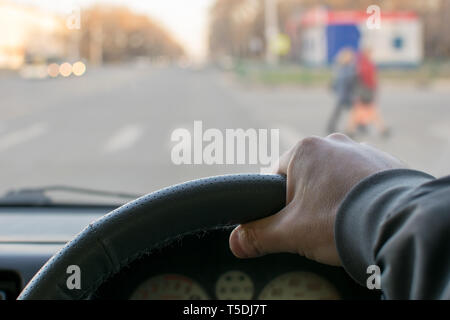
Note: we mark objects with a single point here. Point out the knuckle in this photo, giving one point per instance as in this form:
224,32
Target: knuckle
306,151
309,143
338,136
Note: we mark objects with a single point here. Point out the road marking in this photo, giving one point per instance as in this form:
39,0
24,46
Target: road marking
12,139
289,135
125,138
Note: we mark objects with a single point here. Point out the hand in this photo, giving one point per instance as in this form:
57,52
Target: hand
320,172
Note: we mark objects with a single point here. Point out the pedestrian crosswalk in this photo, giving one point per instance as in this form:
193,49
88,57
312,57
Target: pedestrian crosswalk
11,139
125,138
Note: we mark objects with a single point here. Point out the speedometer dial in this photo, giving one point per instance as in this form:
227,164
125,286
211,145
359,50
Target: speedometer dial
299,286
169,287
234,285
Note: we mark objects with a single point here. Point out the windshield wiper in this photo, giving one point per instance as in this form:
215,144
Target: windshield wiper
39,197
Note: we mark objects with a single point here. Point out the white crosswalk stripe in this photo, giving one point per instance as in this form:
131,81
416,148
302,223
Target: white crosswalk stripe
14,138
125,138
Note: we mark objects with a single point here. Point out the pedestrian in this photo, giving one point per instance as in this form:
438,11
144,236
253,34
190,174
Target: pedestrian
343,85
365,111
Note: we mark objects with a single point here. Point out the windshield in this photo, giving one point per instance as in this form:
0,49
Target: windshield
132,96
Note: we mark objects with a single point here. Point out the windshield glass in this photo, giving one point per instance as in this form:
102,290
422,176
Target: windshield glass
132,96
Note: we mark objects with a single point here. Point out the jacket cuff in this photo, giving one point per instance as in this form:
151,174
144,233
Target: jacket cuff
362,212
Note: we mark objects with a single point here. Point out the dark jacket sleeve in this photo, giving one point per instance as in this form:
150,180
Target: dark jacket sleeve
398,220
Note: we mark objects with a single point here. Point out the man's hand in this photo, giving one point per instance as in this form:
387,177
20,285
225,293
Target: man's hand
320,172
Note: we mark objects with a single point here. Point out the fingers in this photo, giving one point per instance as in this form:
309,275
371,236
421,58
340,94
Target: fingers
260,237
304,146
338,137
282,165
287,230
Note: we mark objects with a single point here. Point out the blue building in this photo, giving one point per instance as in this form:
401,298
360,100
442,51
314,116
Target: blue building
398,42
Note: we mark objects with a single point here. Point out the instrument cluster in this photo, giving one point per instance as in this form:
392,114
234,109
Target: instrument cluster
237,285
201,266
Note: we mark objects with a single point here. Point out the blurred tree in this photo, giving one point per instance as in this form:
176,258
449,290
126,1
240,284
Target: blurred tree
236,28
114,34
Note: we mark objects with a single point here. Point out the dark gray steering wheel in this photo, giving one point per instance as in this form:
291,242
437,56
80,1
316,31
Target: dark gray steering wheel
110,243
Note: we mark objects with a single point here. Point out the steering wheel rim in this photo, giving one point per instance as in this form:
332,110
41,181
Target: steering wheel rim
115,240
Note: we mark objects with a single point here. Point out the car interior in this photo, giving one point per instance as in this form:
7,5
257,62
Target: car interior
187,261
121,170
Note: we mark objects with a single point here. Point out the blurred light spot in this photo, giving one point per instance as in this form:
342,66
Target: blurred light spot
65,69
79,68
53,70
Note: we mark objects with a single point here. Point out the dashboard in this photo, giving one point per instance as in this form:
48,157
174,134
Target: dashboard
201,266
30,235
195,266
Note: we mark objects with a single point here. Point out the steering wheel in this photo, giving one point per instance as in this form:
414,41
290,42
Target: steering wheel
115,240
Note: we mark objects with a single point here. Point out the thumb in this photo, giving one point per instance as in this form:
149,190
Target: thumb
264,236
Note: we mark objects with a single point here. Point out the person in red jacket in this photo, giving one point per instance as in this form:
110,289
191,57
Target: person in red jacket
365,111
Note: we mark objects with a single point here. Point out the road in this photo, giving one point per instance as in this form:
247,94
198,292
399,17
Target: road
111,129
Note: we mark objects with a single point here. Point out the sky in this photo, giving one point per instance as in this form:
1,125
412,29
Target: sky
186,20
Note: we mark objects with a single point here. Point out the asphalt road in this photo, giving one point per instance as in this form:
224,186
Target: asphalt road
111,129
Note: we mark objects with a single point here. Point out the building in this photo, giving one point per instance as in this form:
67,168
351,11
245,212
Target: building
28,31
397,43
